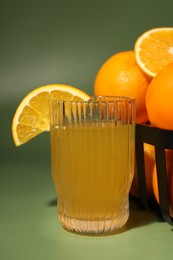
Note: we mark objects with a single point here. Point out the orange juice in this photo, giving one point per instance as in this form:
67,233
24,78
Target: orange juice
92,169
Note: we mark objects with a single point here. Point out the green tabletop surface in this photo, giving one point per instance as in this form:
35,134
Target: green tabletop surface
55,41
29,228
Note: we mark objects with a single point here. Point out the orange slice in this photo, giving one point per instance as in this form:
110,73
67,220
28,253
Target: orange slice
32,115
154,50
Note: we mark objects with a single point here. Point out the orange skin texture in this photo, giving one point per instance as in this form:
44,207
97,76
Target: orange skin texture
121,76
159,99
169,171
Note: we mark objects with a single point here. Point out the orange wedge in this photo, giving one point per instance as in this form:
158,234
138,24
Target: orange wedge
32,115
154,50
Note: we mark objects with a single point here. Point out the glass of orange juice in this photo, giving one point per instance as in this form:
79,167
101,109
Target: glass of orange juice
92,154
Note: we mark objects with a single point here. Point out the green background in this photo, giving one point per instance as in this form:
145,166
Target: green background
52,41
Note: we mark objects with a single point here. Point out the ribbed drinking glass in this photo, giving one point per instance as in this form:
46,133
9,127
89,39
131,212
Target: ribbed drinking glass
92,153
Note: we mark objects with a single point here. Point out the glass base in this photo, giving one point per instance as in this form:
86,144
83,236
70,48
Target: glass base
93,226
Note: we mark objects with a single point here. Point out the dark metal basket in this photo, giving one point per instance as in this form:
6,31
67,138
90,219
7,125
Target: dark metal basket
161,140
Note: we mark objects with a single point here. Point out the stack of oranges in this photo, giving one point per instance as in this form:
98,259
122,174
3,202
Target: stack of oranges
145,73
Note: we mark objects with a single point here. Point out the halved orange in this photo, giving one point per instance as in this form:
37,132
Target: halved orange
154,50
32,115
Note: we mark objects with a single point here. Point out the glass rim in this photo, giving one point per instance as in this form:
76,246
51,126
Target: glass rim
97,99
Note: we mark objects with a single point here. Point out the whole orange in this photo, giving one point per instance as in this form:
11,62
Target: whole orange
149,161
121,76
159,99
169,171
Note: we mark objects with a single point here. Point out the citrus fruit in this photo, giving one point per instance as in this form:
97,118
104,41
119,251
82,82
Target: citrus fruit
169,171
159,99
154,50
149,160
121,76
32,115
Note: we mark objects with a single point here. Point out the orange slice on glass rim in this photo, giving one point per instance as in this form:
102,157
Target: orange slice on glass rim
154,50
32,115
